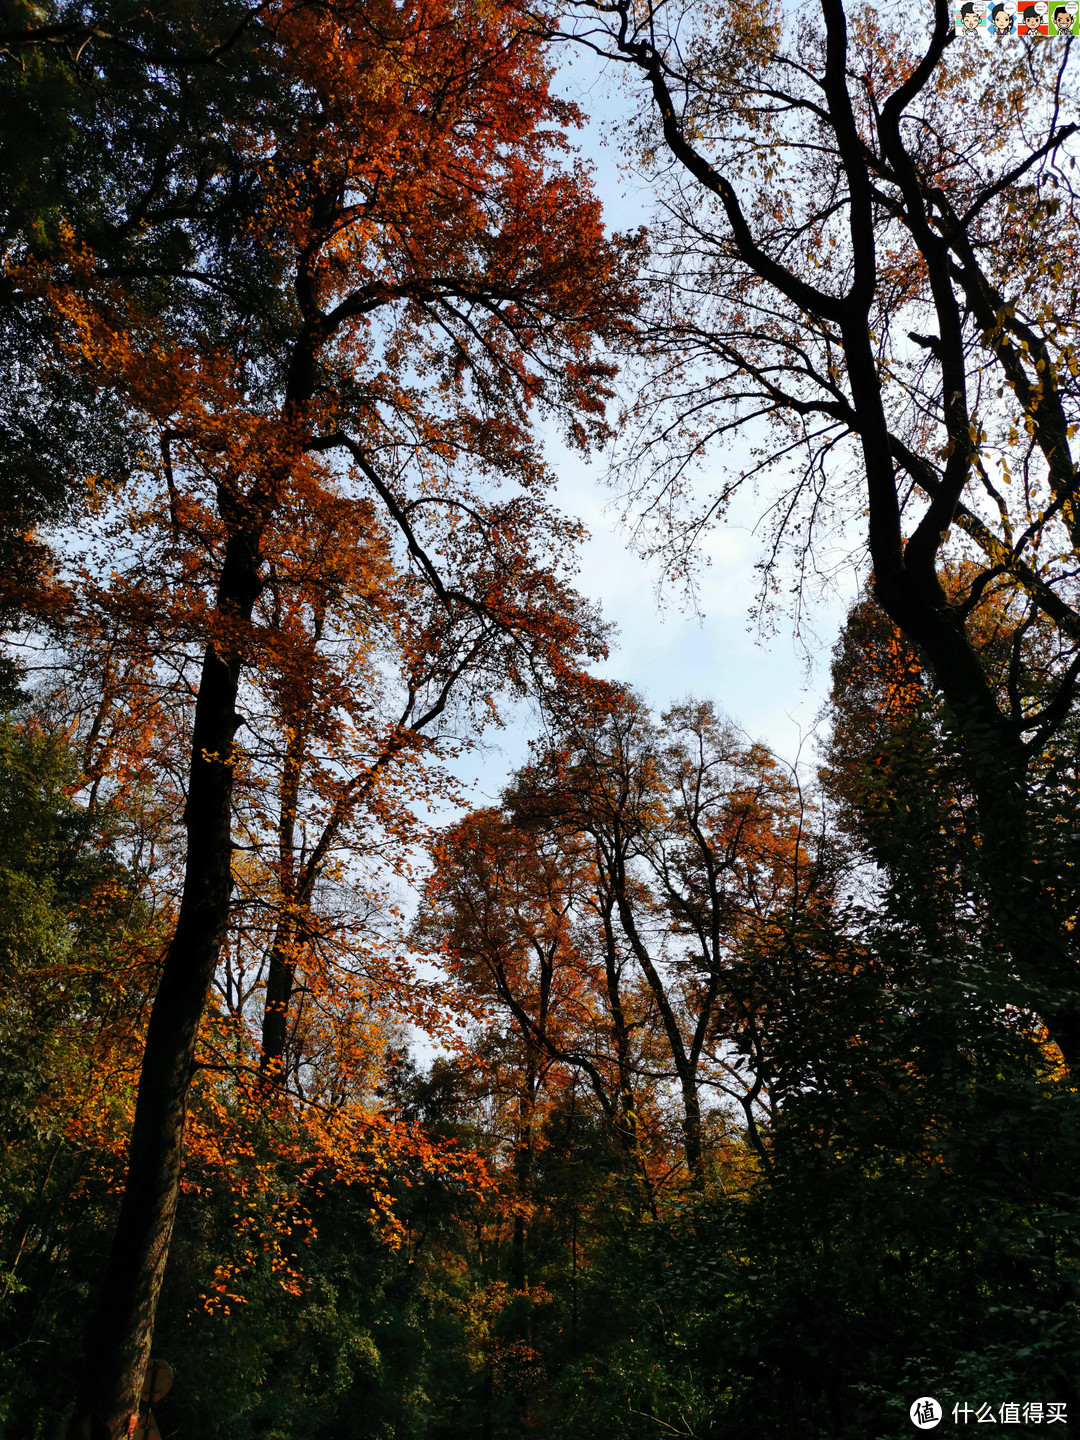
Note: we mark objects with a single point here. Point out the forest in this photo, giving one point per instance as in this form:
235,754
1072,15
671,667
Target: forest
679,1090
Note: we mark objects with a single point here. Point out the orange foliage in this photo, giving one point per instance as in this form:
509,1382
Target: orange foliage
326,405
615,913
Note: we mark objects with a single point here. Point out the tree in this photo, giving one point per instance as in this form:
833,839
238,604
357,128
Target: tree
111,145
78,939
847,262
516,916
397,273
920,1149
682,867
703,859
894,774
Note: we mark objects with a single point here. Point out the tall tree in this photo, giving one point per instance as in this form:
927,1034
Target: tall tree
683,860
517,916
385,268
847,262
703,856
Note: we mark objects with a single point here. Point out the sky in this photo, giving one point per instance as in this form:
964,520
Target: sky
773,687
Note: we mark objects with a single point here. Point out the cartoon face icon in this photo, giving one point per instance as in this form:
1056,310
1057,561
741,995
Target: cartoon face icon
1001,19
1063,20
969,16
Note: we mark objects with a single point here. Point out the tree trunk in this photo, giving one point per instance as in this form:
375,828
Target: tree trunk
627,1111
1022,908
695,1160
281,969
281,973
523,1157
685,1066
122,1324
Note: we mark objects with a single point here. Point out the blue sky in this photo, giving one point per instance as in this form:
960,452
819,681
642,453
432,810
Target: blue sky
772,688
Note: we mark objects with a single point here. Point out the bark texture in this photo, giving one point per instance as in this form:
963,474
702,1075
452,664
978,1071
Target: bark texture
122,1324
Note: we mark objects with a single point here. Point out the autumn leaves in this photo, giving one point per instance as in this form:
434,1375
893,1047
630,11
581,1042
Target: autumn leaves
617,915
371,271
309,275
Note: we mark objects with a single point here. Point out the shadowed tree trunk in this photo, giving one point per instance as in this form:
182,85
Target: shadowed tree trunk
122,1324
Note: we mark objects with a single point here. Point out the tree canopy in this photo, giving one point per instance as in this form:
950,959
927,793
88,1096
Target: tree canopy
883,292
675,1089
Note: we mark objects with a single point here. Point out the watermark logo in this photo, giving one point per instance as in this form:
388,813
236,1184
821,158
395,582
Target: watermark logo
1010,1412
925,1413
